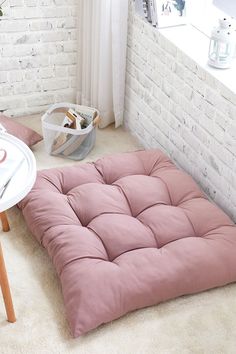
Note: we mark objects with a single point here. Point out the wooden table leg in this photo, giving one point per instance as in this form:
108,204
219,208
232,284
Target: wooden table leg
6,290
5,223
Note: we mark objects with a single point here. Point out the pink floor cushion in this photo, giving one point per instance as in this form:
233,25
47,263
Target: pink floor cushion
126,232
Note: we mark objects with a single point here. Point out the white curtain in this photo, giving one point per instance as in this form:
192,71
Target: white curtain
102,57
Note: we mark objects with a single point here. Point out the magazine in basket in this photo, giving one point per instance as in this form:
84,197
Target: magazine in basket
66,143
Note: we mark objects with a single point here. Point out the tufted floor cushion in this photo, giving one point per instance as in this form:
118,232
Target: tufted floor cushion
128,231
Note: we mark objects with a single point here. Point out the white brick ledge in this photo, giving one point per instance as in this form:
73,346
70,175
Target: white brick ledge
195,45
175,104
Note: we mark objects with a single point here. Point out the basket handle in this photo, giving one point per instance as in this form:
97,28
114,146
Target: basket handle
96,120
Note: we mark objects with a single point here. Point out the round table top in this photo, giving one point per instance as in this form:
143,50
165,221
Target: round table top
20,167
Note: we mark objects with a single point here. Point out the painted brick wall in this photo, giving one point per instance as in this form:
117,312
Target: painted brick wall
38,45
173,104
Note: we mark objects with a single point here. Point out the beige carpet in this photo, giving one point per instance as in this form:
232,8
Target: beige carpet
201,324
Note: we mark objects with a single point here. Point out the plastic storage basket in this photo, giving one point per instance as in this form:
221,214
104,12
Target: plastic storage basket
77,143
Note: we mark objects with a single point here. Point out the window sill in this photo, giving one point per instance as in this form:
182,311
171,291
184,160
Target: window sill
195,45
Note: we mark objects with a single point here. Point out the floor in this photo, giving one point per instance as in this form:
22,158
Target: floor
200,324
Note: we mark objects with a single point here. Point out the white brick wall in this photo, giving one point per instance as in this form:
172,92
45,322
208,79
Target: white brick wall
174,104
38,54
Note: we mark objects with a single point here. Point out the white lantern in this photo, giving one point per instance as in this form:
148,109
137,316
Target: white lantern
222,45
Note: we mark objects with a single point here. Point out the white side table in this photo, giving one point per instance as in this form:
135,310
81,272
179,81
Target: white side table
20,184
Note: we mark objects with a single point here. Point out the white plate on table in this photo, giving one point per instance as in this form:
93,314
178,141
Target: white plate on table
18,154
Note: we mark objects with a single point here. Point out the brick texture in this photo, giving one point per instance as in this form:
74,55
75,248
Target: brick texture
173,104
38,54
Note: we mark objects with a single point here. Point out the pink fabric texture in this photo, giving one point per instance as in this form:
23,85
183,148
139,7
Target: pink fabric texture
128,231
20,131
